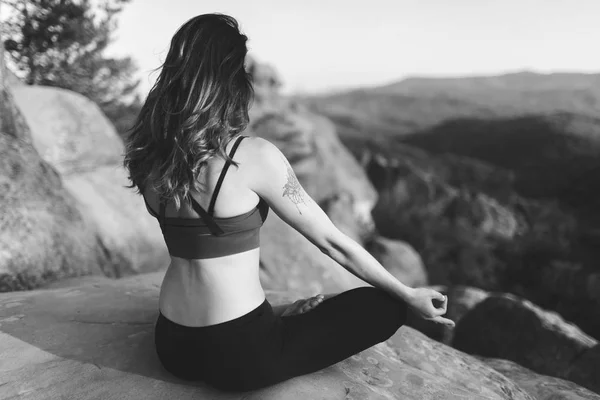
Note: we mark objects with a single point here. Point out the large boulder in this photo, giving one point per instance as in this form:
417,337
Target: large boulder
585,368
400,259
577,289
95,341
323,164
68,130
288,261
72,134
132,237
508,327
12,122
43,235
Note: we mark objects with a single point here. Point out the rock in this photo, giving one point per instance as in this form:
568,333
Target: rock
288,261
324,166
578,291
132,237
68,130
293,136
266,82
12,79
540,387
352,224
43,235
461,300
11,121
95,341
72,134
400,259
505,326
585,369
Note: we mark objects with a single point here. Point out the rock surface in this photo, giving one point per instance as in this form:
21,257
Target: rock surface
323,165
505,326
541,387
43,236
133,237
68,130
288,261
71,133
96,341
400,259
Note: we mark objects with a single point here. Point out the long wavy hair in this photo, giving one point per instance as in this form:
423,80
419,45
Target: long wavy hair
198,104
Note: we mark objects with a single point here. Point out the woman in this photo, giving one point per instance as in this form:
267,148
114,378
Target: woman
211,189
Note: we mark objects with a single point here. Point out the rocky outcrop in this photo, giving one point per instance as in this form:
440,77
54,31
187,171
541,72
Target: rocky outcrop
400,259
43,234
71,134
131,236
288,261
68,130
11,121
96,341
319,159
505,326
324,166
576,291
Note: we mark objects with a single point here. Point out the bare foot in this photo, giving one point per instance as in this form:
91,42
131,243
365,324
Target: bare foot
303,305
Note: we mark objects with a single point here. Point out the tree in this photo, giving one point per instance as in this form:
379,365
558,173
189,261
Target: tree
62,43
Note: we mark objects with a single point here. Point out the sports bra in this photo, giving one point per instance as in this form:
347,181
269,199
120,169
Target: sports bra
210,236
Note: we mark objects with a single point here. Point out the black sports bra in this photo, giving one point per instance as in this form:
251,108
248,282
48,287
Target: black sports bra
209,236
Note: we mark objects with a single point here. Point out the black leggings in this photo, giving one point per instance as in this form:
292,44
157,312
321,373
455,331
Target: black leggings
259,349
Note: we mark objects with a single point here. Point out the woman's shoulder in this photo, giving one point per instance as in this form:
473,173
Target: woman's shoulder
258,150
258,156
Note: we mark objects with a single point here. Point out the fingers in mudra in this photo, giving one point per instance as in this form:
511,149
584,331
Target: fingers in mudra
303,305
439,311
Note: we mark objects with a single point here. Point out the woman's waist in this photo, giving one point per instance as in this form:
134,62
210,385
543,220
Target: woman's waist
199,298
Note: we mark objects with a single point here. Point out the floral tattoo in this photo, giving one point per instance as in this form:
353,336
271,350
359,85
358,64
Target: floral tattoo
292,188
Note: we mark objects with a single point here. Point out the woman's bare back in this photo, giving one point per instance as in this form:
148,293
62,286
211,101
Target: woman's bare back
201,292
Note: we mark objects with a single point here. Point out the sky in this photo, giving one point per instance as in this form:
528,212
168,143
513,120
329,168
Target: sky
321,45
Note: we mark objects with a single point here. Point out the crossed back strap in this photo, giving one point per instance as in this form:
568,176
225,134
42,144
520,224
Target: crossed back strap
211,206
207,216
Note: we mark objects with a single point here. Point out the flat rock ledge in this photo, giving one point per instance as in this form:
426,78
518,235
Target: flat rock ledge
94,340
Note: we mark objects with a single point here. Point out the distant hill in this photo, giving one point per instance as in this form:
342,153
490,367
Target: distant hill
415,104
514,82
543,127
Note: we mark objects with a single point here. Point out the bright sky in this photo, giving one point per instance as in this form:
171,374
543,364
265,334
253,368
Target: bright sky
318,45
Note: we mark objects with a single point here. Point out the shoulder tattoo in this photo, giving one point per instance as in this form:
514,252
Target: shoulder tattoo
292,188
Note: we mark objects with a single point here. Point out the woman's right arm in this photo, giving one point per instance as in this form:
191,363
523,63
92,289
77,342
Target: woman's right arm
272,178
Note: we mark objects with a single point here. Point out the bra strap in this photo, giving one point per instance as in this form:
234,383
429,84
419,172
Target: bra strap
208,220
211,206
161,212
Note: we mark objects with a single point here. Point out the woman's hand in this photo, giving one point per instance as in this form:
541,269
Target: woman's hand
421,301
303,305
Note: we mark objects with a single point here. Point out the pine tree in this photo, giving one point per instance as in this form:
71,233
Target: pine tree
62,43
